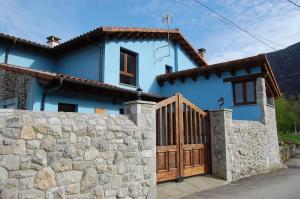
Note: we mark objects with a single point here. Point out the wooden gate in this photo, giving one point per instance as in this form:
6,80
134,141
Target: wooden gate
182,139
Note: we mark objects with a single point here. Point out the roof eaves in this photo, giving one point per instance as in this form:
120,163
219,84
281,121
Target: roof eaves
24,41
49,76
224,66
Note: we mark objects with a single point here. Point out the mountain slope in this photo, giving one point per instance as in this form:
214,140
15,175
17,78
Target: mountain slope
285,64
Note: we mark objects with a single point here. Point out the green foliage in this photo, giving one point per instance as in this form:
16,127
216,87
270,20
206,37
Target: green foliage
288,137
288,114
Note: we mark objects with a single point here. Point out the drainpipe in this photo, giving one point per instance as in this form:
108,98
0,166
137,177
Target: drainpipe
47,91
6,54
101,57
8,49
101,62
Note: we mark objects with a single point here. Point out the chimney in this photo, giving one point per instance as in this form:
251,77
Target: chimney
201,52
52,41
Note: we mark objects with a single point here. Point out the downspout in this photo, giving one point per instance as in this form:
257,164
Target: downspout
101,62
101,57
8,49
6,55
47,91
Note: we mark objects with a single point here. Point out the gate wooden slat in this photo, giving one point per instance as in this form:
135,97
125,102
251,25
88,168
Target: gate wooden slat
160,126
166,124
191,139
195,128
171,124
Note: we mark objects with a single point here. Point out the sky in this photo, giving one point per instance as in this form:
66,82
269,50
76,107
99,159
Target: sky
276,22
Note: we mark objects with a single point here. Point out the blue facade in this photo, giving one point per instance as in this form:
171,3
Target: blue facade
84,63
152,55
32,59
206,92
152,58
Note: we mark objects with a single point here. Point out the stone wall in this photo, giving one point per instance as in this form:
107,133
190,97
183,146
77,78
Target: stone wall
14,85
287,151
254,149
244,148
72,155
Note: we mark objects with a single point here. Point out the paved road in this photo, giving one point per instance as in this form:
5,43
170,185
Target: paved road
284,184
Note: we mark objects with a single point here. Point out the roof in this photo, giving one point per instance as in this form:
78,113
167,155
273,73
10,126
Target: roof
230,66
70,81
114,33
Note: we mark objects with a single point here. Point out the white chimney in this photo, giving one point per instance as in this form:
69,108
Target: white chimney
202,52
52,41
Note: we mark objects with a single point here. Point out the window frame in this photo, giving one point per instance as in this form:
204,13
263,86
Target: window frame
244,94
67,104
125,72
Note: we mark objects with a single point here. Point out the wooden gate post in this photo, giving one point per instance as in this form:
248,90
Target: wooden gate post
180,135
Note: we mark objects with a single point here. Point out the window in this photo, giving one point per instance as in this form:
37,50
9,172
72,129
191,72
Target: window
270,95
100,111
127,68
244,92
63,107
10,103
169,69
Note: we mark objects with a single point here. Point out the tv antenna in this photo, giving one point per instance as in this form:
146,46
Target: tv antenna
166,19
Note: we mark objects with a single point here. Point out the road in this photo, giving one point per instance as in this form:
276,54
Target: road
283,184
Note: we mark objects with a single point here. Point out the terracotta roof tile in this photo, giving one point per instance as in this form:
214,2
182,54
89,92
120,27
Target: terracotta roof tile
50,76
102,32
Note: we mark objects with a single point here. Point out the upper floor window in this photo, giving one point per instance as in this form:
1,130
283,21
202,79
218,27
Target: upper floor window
127,68
244,92
169,69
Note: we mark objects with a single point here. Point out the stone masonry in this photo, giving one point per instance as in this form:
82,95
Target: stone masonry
72,155
244,148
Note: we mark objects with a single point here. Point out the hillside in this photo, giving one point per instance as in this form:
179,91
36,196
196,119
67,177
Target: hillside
286,67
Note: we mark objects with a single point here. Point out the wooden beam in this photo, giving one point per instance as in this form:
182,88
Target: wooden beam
248,70
206,75
160,82
219,73
182,79
194,77
171,81
232,72
244,78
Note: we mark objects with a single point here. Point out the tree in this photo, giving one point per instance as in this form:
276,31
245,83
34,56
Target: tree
288,114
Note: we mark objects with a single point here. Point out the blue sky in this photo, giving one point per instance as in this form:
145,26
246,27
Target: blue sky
276,21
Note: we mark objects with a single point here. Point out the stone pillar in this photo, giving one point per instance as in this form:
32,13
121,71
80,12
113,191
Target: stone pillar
261,98
221,127
142,113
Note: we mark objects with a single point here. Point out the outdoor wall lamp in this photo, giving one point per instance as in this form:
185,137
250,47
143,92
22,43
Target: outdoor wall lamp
221,102
139,93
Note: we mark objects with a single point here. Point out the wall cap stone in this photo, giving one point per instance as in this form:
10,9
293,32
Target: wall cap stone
220,110
139,102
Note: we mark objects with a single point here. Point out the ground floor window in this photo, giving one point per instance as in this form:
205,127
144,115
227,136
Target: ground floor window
100,111
9,103
64,107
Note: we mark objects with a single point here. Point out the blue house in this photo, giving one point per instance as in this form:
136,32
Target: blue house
100,70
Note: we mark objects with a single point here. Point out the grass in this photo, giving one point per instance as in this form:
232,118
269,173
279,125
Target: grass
288,137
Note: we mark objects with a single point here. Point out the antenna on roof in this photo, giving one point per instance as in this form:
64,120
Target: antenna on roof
166,19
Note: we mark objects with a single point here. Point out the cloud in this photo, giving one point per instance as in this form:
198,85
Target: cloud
276,22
